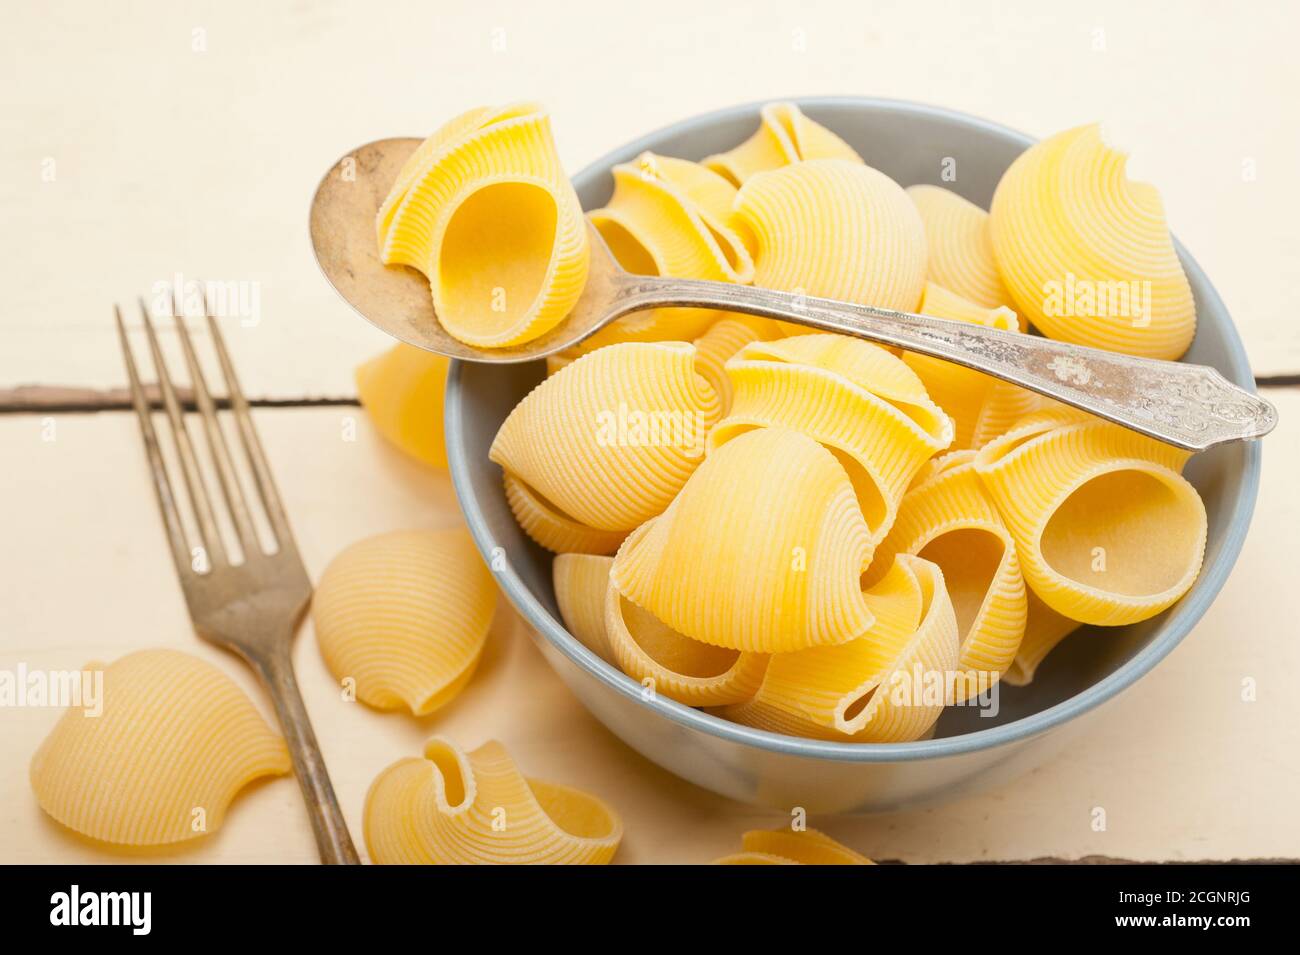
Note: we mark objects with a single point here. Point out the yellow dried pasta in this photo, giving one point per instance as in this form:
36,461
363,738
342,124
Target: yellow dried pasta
485,211
835,229
722,341
666,662
1086,252
607,441
981,406
785,503
402,391
784,136
176,741
857,399
553,529
581,583
949,518
406,616
1107,530
888,685
1044,630
456,808
790,847
959,247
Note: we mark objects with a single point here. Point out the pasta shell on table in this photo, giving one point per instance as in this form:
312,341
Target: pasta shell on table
1107,530
1044,630
665,661
1086,252
488,215
951,519
175,742
889,685
959,247
581,582
402,391
784,136
981,406
450,807
835,229
788,847
406,615
668,217
865,405
608,441
761,551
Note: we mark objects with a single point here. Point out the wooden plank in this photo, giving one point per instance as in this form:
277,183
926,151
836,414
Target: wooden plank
1185,769
158,140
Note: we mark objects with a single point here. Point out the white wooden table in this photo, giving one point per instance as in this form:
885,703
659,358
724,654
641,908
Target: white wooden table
187,138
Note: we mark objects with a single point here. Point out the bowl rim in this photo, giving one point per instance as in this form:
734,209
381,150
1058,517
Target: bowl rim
1185,613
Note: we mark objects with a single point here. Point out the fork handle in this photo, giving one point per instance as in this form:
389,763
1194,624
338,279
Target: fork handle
332,838
1191,406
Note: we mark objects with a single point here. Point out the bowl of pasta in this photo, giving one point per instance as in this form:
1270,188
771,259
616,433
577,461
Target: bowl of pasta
804,570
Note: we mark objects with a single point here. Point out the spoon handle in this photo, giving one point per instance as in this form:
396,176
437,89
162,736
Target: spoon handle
1190,406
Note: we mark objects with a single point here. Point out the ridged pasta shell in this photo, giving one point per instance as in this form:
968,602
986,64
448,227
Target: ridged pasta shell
1107,530
1086,252
981,406
176,741
402,392
686,670
788,847
784,136
609,440
493,222
1044,630
581,582
722,341
761,551
959,247
889,685
855,398
406,615
551,528
950,519
456,808
835,229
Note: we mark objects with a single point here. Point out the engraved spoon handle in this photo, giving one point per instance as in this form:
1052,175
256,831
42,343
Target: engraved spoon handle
1189,406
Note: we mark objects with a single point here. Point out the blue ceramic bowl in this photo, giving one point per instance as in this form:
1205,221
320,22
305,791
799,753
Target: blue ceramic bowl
909,142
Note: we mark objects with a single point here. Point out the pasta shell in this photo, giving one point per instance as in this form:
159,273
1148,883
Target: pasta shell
889,685
761,551
1086,252
456,808
581,583
609,440
721,342
959,247
492,221
1107,530
981,406
176,741
402,391
405,615
950,519
680,668
835,229
788,847
785,135
1044,630
552,529
857,399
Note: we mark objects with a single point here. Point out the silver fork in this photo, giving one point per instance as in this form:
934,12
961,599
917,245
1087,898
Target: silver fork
252,608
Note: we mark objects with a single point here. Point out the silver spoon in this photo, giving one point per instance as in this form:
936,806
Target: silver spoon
1190,406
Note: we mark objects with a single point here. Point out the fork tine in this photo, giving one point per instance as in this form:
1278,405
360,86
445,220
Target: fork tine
230,487
208,533
161,484
252,446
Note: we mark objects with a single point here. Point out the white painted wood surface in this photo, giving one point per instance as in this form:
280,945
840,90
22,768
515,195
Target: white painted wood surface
188,137
1184,768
